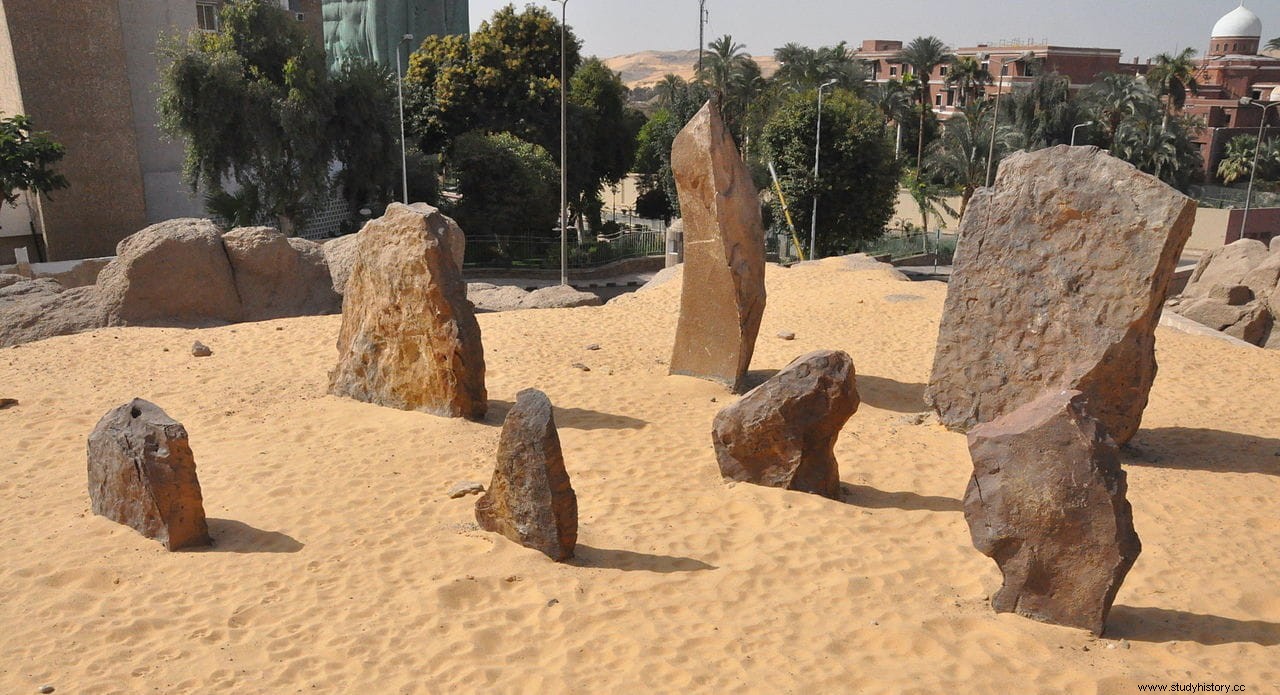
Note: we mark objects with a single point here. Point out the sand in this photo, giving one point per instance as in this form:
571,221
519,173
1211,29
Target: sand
342,566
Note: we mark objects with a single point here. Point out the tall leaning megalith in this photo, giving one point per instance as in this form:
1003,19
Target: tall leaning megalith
409,337
723,295
1060,274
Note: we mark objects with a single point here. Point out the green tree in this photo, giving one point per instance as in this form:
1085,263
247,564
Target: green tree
929,197
802,68
1237,160
1135,126
1274,44
1172,77
734,77
602,137
254,104
653,143
923,54
364,133
26,159
968,76
1044,113
508,187
959,157
504,77
858,181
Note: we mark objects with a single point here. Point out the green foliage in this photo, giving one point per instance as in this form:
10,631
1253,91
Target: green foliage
1237,160
1174,76
801,68
508,186
26,158
602,136
734,78
1044,113
958,159
257,109
923,54
968,76
859,175
928,196
504,77
653,143
1135,126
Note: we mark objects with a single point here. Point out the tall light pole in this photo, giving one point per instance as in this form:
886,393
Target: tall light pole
1077,127
1248,197
564,179
817,142
995,119
400,95
702,22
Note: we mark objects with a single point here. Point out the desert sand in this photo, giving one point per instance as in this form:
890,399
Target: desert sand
341,565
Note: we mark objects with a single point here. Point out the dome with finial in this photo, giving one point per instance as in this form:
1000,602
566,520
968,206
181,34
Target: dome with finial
1239,22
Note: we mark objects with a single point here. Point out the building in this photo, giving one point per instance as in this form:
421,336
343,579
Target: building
375,29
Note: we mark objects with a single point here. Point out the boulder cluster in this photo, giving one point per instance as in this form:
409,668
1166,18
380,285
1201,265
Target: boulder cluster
1236,289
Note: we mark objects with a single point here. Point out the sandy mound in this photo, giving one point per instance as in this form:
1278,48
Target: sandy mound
341,565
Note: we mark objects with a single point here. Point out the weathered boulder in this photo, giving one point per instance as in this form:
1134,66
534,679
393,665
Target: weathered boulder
37,309
142,474
276,276
172,273
1234,295
559,297
409,337
530,499
340,256
1250,321
1225,265
1047,503
783,432
723,297
1058,283
1264,281
489,297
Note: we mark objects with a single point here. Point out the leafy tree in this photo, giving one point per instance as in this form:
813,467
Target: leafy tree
602,137
968,76
507,186
1172,77
365,134
893,99
1044,113
1135,126
1114,98
653,143
802,68
858,182
1237,160
929,197
959,157
26,158
504,77
923,54
732,75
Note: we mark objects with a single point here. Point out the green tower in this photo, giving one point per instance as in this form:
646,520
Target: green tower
374,28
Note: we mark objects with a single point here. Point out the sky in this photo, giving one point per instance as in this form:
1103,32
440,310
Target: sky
1140,28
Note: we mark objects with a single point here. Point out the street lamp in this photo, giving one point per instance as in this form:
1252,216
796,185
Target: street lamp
1078,126
702,22
995,119
404,168
1246,101
564,194
817,141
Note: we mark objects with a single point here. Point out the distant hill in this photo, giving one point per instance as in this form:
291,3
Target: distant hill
647,68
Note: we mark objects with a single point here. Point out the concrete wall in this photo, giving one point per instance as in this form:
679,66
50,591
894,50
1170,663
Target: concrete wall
1263,224
144,23
73,82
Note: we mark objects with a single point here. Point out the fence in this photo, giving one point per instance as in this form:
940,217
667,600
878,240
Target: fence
914,243
543,253
1231,197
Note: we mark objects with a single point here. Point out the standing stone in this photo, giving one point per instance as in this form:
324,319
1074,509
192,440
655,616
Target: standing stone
530,499
1047,503
1060,275
783,432
142,474
409,337
723,295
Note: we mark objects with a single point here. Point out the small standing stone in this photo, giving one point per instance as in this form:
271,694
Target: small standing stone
530,499
466,487
583,367
593,346
8,403
142,474
46,689
199,349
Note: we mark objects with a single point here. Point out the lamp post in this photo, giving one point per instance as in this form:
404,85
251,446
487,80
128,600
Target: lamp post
1076,127
404,167
564,180
817,142
1248,197
702,21
995,119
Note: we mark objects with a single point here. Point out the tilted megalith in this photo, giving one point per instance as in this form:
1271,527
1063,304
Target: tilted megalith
142,474
723,295
530,499
409,337
1060,274
1047,503
783,432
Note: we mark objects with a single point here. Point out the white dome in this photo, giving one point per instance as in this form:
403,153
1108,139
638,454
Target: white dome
1239,22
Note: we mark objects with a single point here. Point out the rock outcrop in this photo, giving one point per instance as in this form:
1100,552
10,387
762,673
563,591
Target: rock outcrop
1047,503
276,276
530,499
783,432
142,474
489,297
1059,279
409,337
1235,289
340,257
723,296
174,273
37,309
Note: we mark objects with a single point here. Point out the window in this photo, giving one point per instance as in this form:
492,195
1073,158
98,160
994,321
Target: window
893,70
937,100
207,16
943,71
1004,69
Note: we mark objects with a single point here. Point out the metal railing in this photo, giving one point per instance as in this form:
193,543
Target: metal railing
543,253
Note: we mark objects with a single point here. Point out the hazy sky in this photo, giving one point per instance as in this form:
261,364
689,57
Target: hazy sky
1137,27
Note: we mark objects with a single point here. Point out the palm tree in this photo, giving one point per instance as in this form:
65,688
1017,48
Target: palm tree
1115,98
959,157
1172,77
801,68
719,63
1045,113
893,99
923,54
930,197
732,75
968,76
669,89
1274,44
1237,160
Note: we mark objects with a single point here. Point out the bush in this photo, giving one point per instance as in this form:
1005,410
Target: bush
508,186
